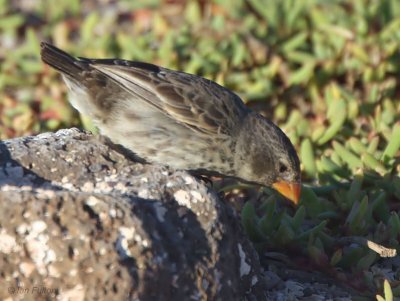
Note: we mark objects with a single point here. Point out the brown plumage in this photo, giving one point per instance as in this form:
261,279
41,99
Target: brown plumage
178,119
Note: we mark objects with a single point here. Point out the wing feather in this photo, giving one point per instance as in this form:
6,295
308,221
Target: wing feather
195,102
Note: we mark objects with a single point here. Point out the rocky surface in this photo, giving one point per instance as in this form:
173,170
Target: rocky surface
81,221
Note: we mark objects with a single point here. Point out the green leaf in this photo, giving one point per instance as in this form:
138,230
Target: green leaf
192,12
394,144
336,257
370,162
394,222
285,234
365,262
298,218
11,22
307,157
314,231
249,222
295,42
373,145
87,28
351,159
357,146
303,75
337,116
357,218
387,291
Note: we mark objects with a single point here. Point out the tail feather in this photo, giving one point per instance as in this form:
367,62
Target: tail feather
61,60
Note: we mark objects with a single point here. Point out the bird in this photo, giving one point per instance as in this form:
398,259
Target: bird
179,119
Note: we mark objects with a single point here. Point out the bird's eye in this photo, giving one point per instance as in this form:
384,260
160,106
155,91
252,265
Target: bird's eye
282,168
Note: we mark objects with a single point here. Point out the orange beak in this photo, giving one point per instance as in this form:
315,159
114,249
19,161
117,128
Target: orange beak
288,190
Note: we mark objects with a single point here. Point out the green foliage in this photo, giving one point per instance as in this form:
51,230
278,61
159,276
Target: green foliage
326,71
315,230
387,292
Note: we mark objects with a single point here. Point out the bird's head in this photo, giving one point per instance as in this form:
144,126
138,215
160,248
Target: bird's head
266,156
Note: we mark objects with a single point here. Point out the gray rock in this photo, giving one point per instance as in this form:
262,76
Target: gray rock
81,221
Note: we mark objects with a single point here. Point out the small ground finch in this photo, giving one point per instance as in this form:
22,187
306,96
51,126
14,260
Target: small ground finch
179,119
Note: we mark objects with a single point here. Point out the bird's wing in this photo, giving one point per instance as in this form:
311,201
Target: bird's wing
193,101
